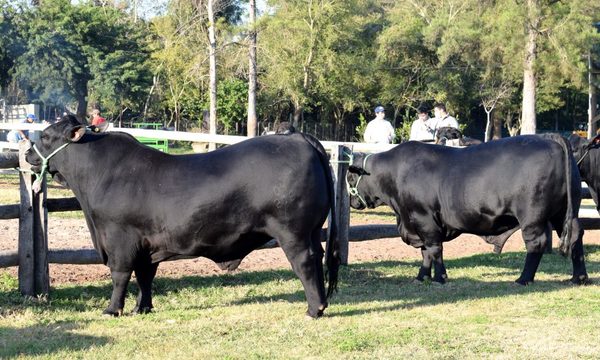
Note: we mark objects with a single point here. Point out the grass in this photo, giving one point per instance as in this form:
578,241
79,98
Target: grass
379,312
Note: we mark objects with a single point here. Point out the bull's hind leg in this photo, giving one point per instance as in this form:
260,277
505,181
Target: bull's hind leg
145,275
433,256
580,275
120,280
306,257
536,238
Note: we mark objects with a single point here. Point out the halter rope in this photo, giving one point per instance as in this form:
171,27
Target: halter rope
39,177
353,190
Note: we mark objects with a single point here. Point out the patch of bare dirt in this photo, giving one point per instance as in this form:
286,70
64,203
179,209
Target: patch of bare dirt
73,234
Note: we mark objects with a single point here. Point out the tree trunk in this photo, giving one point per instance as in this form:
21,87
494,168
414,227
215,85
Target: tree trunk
252,72
497,121
81,111
213,71
488,127
528,124
297,115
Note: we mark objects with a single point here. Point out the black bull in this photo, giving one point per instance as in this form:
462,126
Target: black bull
490,190
143,206
587,154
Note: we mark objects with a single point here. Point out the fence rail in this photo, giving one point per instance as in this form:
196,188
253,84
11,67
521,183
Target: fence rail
195,137
33,255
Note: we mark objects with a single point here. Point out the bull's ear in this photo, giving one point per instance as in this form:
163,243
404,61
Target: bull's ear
594,143
357,170
77,133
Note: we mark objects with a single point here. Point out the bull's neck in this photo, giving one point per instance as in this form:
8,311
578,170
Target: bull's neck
378,182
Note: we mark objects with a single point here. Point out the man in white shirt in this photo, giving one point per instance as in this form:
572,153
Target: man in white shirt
379,130
423,129
443,119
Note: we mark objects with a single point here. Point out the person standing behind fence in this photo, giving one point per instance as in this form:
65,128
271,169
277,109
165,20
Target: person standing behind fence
14,136
96,118
379,130
423,129
443,119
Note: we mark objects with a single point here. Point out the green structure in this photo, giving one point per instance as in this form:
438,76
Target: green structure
158,144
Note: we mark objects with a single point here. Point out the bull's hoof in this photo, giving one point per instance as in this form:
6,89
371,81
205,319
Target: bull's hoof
422,278
440,280
229,265
315,314
581,280
110,312
523,282
142,310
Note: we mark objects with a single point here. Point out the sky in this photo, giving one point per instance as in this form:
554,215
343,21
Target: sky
151,8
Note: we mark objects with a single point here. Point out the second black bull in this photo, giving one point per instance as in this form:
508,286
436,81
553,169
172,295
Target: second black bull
490,190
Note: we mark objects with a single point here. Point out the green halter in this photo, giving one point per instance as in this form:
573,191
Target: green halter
353,190
39,177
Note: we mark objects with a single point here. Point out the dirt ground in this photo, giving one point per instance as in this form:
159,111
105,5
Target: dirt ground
73,234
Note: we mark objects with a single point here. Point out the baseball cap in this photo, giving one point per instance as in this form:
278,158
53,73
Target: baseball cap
32,116
379,109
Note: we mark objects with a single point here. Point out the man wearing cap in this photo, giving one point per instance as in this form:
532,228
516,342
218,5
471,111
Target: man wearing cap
14,136
379,130
423,129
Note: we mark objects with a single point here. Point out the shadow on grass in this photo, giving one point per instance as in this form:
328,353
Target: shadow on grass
40,340
359,283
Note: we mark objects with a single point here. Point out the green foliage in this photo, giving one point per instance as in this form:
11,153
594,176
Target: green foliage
403,132
75,53
360,128
232,99
324,60
9,41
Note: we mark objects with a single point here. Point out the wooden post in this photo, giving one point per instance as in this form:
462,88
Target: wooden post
34,276
342,201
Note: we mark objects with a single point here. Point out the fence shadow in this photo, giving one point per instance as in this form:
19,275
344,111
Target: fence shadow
45,340
359,283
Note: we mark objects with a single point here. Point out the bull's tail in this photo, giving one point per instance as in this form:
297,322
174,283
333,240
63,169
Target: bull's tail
332,253
566,237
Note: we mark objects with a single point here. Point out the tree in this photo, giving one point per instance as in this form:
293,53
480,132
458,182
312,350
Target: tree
9,43
212,88
252,131
426,53
556,35
75,53
182,55
317,57
290,63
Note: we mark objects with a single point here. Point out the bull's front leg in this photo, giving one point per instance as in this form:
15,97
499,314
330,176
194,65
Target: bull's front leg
120,280
432,255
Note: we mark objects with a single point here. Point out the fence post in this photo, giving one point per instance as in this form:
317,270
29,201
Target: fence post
342,201
34,276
